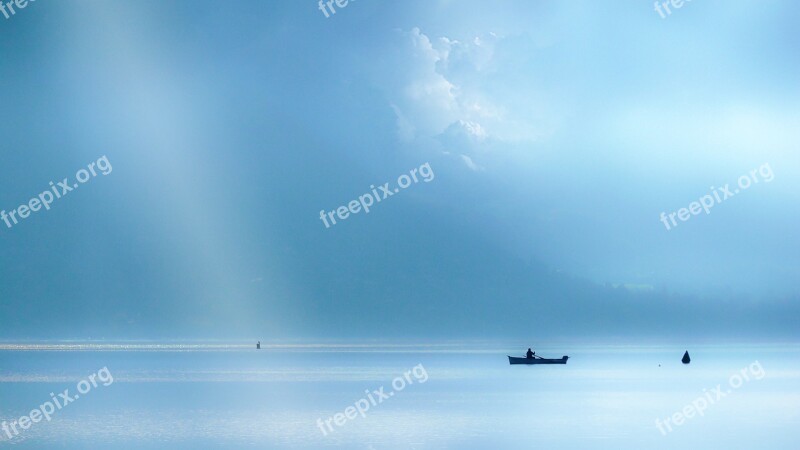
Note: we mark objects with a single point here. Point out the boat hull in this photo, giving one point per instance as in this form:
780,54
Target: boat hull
515,360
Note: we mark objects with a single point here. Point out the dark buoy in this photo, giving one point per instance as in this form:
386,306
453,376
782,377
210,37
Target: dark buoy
258,346
686,359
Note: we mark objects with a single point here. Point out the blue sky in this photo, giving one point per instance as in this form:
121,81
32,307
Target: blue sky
558,132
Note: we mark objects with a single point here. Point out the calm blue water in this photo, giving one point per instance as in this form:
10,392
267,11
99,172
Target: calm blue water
232,396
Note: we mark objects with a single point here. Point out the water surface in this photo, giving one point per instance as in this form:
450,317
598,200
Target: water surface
229,395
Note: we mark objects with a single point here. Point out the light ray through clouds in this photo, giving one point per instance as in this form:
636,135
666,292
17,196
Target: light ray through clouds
168,123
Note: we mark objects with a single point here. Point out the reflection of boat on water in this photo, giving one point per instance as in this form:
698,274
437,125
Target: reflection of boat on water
537,360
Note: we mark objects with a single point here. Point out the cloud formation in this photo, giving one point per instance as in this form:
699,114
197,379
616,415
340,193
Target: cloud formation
438,92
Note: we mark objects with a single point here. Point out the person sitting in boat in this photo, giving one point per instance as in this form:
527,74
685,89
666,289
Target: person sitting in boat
530,354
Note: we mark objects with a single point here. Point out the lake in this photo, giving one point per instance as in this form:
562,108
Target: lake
446,395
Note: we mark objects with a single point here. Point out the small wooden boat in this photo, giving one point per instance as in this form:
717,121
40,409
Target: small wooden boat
537,360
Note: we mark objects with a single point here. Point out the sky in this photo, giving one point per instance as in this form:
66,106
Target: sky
555,135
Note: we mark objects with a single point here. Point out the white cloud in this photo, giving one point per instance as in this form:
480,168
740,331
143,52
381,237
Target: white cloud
463,132
466,94
471,164
423,99
423,93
